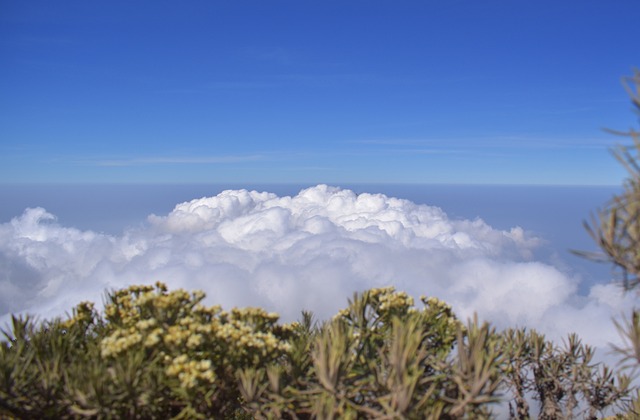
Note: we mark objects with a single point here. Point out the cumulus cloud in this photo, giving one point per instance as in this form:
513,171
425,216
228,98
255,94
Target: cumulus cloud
309,251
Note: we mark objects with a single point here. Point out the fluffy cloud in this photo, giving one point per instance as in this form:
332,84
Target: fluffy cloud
310,251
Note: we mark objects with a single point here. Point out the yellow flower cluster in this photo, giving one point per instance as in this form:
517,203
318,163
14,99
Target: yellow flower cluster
146,324
190,372
384,300
441,314
122,308
120,341
342,313
83,314
178,335
286,330
257,317
377,292
242,339
435,303
395,300
153,338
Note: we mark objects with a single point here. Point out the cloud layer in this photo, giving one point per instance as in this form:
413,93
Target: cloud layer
309,251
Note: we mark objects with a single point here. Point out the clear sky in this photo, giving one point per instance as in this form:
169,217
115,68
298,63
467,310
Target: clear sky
497,91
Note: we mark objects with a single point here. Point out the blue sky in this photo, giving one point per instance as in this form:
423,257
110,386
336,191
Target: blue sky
489,92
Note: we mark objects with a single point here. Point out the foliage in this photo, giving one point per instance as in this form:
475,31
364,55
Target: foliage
155,354
160,354
382,358
563,379
616,229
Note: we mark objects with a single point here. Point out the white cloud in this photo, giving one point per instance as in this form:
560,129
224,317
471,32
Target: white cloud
310,251
177,160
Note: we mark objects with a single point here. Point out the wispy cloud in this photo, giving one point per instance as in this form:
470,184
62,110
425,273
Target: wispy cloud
397,141
457,144
313,80
190,160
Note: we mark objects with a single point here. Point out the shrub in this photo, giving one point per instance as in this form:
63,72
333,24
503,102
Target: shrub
161,354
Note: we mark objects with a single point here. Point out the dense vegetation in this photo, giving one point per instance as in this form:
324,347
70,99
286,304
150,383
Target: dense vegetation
155,353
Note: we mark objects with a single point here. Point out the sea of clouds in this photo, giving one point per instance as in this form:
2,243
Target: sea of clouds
308,251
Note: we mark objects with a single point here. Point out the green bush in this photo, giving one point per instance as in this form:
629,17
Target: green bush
160,354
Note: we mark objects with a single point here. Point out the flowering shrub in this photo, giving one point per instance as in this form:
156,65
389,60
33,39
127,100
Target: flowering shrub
155,353
200,348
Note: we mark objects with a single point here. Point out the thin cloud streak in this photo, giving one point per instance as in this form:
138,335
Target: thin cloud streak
503,142
284,80
179,160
